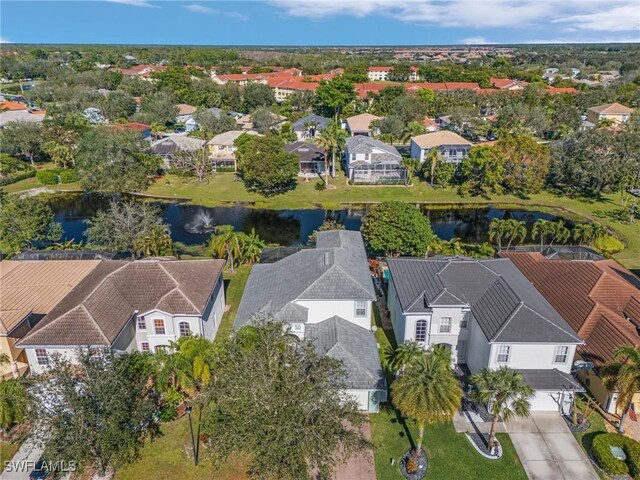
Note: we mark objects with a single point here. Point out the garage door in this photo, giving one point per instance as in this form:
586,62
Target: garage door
546,401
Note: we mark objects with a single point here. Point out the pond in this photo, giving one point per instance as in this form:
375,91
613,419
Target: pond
193,224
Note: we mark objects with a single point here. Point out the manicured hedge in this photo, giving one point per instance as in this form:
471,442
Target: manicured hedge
53,176
17,178
601,448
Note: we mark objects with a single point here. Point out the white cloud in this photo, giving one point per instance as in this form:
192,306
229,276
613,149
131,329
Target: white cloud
594,15
5,40
196,8
134,3
476,41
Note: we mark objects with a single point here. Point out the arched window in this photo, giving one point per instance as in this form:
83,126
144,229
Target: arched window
421,331
184,329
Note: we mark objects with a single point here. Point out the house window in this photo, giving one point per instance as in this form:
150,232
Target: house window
144,347
185,330
421,331
42,356
445,325
561,354
142,324
464,323
504,351
158,325
361,309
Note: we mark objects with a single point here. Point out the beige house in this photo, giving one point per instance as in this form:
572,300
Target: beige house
222,148
612,111
30,289
360,124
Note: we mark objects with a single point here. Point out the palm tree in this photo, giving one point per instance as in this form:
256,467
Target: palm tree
404,355
252,246
497,230
327,142
339,135
434,157
169,371
597,232
560,232
13,402
516,231
195,357
622,373
543,229
227,244
428,392
154,242
583,233
504,393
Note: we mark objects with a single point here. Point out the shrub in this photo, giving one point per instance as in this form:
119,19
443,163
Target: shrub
68,175
225,169
17,178
319,185
411,466
608,244
47,177
170,402
601,448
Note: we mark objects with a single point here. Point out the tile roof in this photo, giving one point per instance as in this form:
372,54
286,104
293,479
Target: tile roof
595,297
435,139
505,305
185,109
99,307
612,109
321,122
306,151
175,142
361,123
550,379
12,106
336,269
227,138
19,116
36,286
355,346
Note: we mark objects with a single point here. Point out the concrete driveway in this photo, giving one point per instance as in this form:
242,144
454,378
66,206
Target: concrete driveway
547,448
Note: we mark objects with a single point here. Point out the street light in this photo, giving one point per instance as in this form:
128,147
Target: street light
193,443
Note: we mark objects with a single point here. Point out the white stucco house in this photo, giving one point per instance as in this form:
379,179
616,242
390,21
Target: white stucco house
126,306
324,294
490,316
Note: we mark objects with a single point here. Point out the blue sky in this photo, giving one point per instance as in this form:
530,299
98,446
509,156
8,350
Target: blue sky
320,22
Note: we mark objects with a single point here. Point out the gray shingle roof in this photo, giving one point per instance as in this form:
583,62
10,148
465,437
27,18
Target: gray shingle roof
299,125
336,269
364,144
354,346
506,306
550,379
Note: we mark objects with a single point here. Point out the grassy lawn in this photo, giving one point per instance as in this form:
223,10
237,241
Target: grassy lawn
450,454
585,439
165,458
233,287
7,451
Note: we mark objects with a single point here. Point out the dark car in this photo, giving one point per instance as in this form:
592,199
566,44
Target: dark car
491,136
39,473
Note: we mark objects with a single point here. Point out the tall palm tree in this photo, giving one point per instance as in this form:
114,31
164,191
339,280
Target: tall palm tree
622,373
516,231
227,244
542,229
169,371
504,393
252,246
497,230
434,157
560,232
404,355
196,356
598,232
327,142
428,392
583,233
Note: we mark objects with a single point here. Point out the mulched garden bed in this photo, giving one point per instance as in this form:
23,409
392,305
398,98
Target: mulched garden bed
481,440
421,462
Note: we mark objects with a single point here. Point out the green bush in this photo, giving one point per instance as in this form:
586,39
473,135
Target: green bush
47,177
601,449
68,175
17,178
170,402
608,244
225,169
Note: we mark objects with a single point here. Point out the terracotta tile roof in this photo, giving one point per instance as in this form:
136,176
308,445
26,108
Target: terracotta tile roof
462,86
553,90
185,109
507,83
100,306
426,85
594,297
361,123
612,109
363,89
435,139
380,69
8,106
36,286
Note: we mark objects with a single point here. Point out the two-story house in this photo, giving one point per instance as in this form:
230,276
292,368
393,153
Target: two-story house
126,306
309,126
612,111
451,147
360,125
489,315
324,294
370,161
222,148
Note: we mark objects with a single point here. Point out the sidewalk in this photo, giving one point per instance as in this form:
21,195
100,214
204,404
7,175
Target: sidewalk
23,462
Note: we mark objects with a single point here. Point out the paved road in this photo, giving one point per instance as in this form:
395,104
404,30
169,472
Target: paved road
548,450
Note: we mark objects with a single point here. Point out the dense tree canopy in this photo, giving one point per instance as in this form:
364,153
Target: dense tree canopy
482,171
394,228
334,95
526,163
25,221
